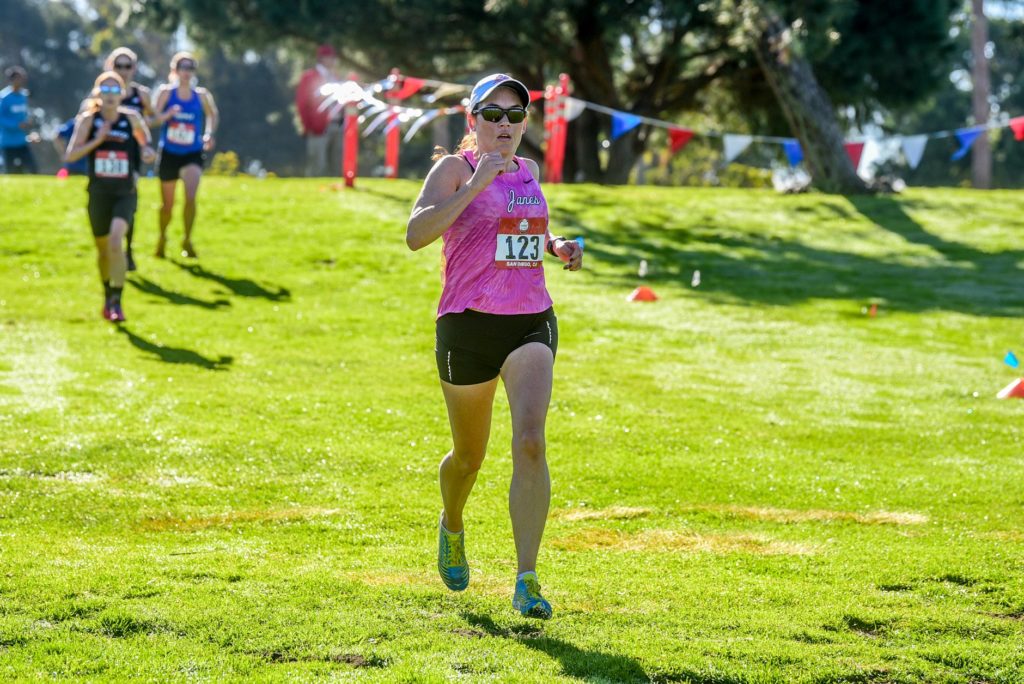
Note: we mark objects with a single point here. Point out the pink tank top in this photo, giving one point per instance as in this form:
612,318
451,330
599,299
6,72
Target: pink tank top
493,256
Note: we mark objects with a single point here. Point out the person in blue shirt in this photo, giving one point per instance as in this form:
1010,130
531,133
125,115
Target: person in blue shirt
60,142
15,123
189,119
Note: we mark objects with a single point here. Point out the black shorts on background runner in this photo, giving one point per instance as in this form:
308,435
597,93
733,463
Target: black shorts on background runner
471,346
170,165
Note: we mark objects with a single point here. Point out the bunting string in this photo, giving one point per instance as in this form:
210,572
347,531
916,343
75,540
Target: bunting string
377,111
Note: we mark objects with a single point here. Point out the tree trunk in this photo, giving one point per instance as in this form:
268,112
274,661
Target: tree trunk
981,159
806,105
587,130
622,157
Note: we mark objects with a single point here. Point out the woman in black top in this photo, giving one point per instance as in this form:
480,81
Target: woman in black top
114,138
124,61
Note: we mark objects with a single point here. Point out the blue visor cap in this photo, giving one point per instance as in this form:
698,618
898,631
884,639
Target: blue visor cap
486,85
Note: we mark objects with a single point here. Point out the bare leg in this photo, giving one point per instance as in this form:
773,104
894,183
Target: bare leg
103,257
191,175
166,207
469,412
115,252
527,374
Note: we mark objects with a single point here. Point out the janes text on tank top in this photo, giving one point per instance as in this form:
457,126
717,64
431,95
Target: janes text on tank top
518,201
492,256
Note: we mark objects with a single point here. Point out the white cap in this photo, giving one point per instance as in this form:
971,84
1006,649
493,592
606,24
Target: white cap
486,85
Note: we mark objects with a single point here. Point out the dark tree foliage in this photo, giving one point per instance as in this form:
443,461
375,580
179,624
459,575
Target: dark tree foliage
650,57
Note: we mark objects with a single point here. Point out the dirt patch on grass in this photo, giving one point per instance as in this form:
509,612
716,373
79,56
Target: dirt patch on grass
612,513
235,518
785,515
672,540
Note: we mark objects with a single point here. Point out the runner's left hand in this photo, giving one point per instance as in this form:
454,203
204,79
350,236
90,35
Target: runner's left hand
570,252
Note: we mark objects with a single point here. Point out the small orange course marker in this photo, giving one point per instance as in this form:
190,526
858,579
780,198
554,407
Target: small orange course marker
642,294
1015,390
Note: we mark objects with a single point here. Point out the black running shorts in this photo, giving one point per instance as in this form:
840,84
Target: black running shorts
471,346
170,165
105,207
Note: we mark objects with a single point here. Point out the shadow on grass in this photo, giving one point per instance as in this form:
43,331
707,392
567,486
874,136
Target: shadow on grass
176,355
759,269
149,287
242,287
402,199
575,661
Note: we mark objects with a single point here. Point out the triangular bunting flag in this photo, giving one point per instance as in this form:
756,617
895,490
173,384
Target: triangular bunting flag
420,123
966,138
573,108
375,124
854,150
677,138
735,144
1017,124
913,148
446,89
536,95
409,87
794,153
623,123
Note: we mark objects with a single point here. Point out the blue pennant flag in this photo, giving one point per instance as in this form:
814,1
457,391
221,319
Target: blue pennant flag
794,153
966,138
1011,360
623,123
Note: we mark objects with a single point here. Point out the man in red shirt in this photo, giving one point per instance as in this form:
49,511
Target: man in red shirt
323,133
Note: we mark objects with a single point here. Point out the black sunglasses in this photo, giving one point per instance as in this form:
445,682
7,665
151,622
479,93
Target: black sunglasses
494,114
124,66
186,66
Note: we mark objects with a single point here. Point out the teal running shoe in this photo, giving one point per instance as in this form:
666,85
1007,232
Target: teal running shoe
527,599
451,558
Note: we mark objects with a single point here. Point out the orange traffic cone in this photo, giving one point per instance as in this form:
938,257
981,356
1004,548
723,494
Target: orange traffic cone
642,294
1014,390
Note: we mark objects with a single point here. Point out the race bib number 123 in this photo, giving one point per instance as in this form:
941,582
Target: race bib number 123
520,242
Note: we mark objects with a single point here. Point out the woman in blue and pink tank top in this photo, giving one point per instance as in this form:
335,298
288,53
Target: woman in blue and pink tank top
189,119
494,319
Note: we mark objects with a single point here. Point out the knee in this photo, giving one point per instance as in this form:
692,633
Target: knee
529,445
466,463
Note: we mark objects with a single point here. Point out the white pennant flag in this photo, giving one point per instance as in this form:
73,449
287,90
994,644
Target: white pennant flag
735,144
573,108
375,124
421,122
913,148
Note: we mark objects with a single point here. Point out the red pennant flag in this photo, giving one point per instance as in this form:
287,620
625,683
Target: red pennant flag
410,87
536,95
1017,124
678,137
854,150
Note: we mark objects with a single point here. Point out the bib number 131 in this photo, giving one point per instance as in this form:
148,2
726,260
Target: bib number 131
520,242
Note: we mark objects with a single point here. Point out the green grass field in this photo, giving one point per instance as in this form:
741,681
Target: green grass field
753,480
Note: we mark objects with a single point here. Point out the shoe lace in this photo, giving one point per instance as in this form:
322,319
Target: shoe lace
532,588
455,553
